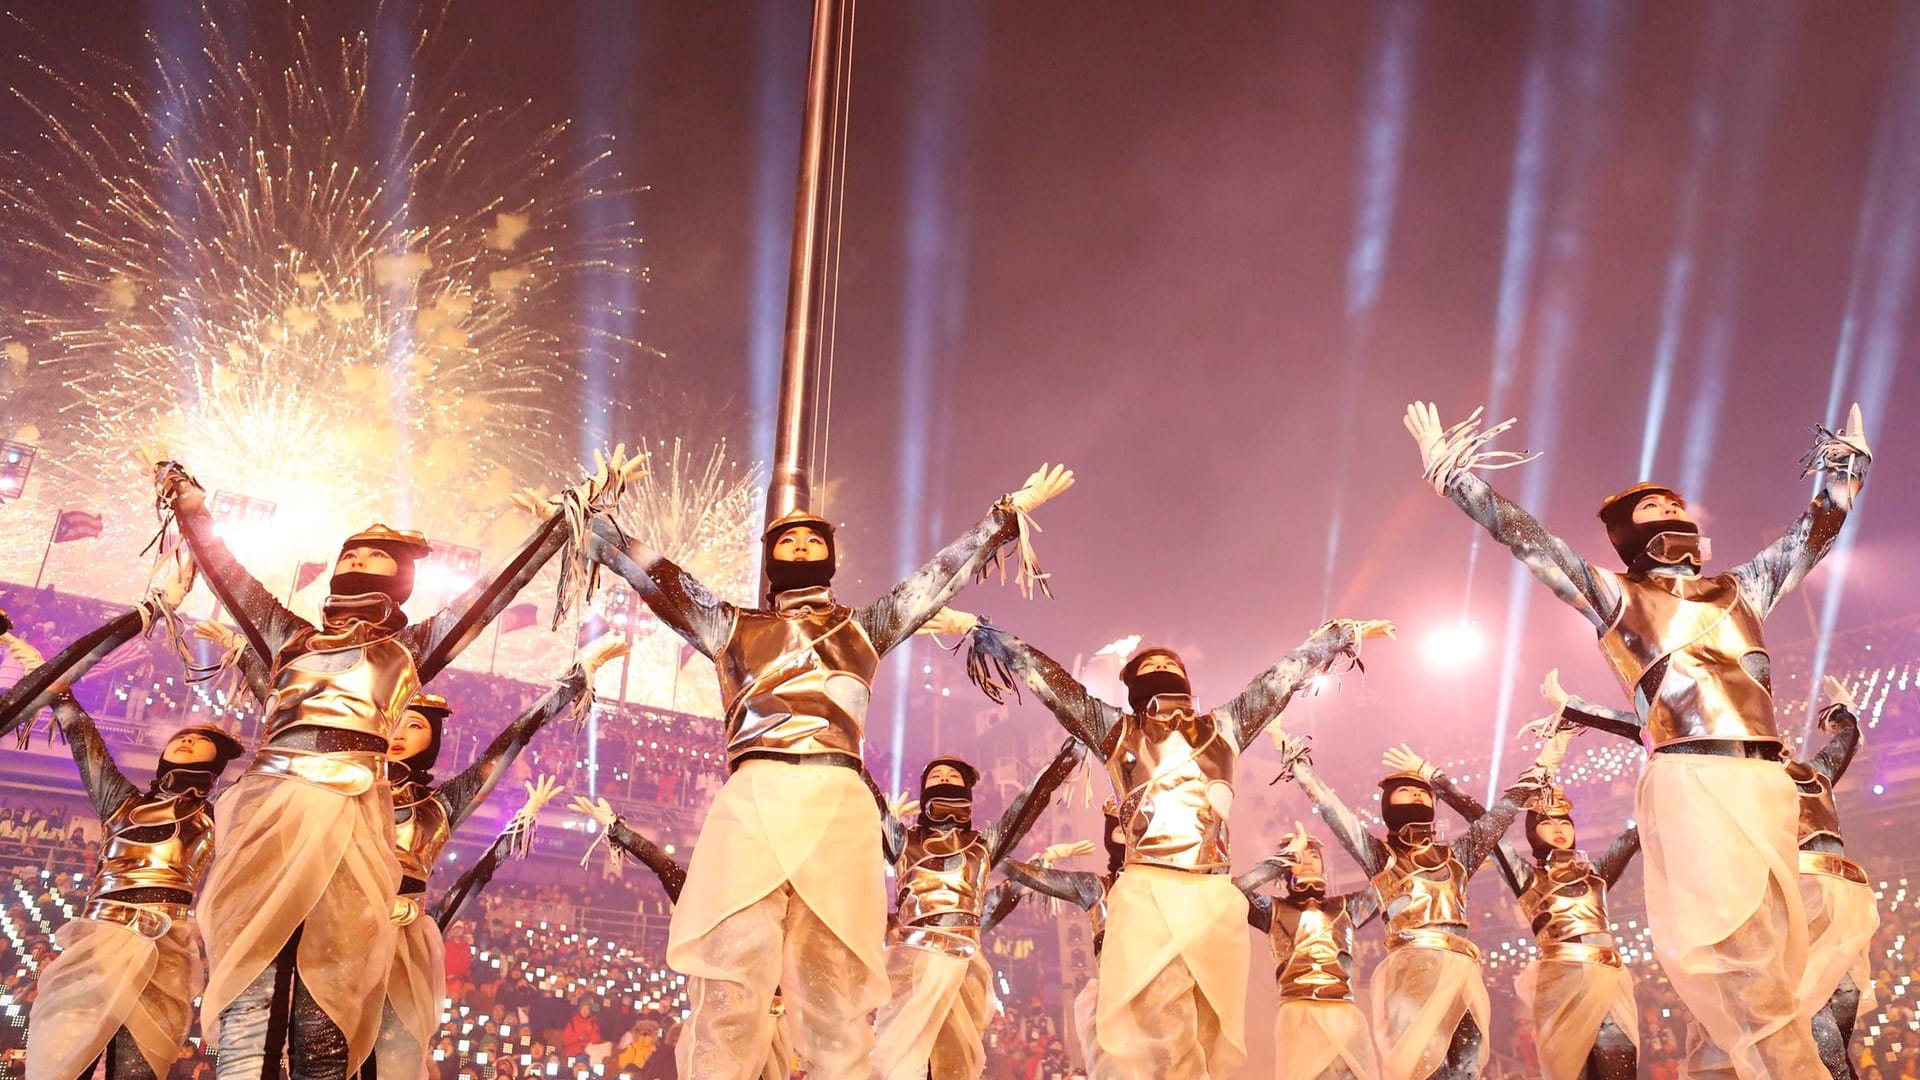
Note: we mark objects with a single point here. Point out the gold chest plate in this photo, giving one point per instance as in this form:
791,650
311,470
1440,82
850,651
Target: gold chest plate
1312,950
177,859
1175,779
1415,896
1566,904
1707,643
796,683
360,688
420,832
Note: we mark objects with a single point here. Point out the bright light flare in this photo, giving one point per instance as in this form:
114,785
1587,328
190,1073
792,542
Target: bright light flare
1451,646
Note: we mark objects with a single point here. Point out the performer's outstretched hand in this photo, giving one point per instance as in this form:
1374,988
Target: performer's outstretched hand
1550,689
903,808
173,578
1554,751
1448,451
22,651
948,622
539,793
1058,852
1046,483
1296,845
599,810
1364,629
1403,759
1422,421
1837,694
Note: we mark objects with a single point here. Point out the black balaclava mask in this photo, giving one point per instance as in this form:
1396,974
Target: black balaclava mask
197,777
1115,840
397,586
1631,540
418,768
1542,849
785,575
1142,688
1399,815
948,806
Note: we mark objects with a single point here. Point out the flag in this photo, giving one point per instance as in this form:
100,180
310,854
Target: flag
592,628
307,573
518,617
76,525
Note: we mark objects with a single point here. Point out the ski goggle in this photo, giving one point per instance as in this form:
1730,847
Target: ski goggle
1674,548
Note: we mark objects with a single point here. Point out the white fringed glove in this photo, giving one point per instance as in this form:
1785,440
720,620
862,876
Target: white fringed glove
1057,852
600,651
1402,758
948,622
599,810
1045,484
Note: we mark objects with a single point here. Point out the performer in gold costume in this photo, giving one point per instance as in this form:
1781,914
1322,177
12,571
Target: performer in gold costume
1319,1033
425,818
1716,812
787,888
1837,986
1577,992
1430,1007
934,1024
297,914
1088,892
129,967
1173,971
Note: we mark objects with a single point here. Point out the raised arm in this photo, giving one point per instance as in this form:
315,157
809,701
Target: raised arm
263,619
1599,717
441,637
1363,846
1026,807
467,789
1076,887
1262,702
1834,758
676,597
36,689
672,875
1001,900
1483,835
1513,866
460,896
1448,457
1613,861
1362,905
1840,458
1085,717
894,617
1259,910
106,786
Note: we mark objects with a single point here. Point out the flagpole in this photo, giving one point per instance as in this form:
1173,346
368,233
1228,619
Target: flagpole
495,653
48,553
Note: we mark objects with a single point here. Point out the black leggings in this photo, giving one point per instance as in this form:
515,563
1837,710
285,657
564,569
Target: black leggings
1613,1056
1833,1030
1463,1053
315,1047
124,1059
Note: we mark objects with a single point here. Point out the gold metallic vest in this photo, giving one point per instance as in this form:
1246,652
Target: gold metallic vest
1415,897
1312,950
942,872
1819,816
420,832
798,683
1701,636
178,861
1173,771
358,688
1566,903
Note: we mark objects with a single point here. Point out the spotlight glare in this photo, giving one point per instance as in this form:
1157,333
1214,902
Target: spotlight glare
1453,645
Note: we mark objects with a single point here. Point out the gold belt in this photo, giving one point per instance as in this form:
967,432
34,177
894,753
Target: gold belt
346,772
961,941
1428,938
1825,862
1579,952
406,909
152,921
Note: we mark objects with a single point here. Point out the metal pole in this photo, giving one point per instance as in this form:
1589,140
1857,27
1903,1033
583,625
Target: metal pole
791,482
45,555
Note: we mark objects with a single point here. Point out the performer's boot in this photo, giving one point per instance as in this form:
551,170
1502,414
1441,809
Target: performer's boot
317,1048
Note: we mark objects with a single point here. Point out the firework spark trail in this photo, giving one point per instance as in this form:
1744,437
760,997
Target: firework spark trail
702,514
223,267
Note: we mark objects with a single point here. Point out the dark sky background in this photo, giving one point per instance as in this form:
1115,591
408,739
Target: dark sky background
1206,254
